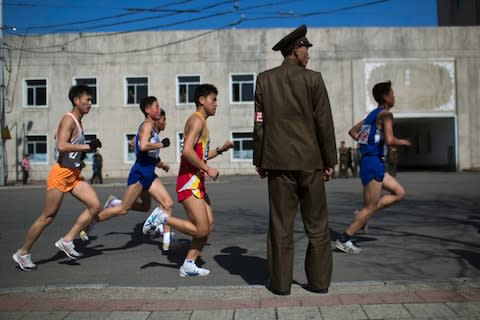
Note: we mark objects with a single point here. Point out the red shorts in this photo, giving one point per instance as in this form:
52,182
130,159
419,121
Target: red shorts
197,193
190,184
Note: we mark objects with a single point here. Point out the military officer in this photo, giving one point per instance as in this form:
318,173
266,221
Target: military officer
294,146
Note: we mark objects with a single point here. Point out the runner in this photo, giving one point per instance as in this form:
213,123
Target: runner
372,134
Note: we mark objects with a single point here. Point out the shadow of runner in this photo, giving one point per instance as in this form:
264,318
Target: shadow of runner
252,269
468,256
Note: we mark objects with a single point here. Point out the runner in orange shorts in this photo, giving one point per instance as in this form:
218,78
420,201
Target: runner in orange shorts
65,177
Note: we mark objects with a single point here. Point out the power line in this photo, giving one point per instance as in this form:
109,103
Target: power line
156,17
130,11
187,20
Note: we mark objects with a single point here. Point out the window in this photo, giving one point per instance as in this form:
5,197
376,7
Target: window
91,83
242,87
186,86
179,145
242,145
136,90
36,147
89,138
36,93
129,148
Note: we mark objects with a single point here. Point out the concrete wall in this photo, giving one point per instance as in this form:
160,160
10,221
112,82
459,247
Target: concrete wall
435,72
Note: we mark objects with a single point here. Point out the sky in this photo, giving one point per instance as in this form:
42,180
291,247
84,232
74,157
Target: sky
59,16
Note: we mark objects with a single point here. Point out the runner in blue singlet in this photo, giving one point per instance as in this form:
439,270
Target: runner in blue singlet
372,134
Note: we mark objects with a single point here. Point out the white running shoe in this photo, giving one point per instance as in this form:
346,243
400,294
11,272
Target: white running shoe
150,225
195,272
110,202
24,262
365,226
68,248
347,247
84,236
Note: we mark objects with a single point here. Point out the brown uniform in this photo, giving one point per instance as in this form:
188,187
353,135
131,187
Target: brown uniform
294,141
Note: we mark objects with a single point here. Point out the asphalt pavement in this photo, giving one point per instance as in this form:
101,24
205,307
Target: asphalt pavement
420,259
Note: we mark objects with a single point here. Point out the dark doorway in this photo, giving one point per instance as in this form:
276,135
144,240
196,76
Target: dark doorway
434,144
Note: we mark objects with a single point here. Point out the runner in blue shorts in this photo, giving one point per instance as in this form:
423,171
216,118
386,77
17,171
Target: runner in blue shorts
142,176
373,133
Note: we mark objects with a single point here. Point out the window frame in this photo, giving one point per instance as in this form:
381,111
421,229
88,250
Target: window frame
125,90
89,155
233,158
25,93
126,152
74,82
231,83
31,157
177,88
178,145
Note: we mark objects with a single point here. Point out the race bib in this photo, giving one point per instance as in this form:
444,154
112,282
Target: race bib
364,133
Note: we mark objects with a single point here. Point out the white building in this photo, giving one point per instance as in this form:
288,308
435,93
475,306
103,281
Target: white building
435,74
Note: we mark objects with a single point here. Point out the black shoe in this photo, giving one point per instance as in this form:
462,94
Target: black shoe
278,292
315,290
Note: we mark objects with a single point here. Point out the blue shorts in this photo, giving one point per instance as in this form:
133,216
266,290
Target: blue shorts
145,174
371,167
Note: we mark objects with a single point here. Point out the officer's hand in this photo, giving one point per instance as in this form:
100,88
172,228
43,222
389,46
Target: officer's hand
165,142
263,173
327,174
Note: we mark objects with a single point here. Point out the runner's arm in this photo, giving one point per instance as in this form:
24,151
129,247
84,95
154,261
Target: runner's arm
64,135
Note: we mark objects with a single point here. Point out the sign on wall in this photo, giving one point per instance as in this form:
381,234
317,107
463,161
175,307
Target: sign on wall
420,85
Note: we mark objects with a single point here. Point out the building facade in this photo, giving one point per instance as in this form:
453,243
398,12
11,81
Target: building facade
435,74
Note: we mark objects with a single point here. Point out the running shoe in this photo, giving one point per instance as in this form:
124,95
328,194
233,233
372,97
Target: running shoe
150,225
68,248
24,261
365,226
195,272
110,202
347,247
84,236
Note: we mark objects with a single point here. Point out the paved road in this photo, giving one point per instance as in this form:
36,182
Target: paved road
432,235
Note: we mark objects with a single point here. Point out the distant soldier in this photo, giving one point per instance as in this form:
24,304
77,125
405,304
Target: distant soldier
343,160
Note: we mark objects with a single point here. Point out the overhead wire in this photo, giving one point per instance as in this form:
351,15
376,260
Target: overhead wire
62,46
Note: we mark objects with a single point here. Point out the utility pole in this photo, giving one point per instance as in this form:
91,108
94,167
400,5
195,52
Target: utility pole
2,105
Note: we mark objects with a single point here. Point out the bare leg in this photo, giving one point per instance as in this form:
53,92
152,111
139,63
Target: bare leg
86,194
374,202
144,204
161,195
371,196
199,225
129,197
53,200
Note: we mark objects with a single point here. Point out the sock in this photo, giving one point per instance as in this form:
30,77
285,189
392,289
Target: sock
159,229
116,202
189,264
344,237
166,237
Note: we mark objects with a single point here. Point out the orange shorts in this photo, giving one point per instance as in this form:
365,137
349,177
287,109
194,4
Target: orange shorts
63,179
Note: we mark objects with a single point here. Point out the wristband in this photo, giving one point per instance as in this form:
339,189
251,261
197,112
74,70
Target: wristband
218,151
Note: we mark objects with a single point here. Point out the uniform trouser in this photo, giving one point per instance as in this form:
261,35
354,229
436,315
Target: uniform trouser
287,190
